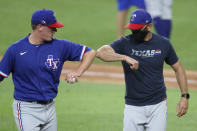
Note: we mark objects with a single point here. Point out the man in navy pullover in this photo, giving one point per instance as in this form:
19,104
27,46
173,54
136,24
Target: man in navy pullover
143,54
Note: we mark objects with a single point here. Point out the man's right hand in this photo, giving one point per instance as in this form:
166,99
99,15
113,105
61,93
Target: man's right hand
134,65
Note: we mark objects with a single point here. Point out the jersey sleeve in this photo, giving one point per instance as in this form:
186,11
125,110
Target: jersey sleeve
171,57
74,51
117,46
6,64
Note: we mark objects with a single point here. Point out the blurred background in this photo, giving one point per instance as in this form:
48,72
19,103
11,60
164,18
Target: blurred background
93,23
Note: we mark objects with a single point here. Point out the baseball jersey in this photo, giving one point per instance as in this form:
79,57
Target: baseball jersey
36,69
145,86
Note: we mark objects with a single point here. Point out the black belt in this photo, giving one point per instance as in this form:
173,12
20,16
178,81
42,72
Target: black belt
42,102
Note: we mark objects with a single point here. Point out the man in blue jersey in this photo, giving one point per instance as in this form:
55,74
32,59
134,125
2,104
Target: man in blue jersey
143,54
36,62
123,8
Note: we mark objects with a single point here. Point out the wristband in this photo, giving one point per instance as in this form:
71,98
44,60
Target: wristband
186,95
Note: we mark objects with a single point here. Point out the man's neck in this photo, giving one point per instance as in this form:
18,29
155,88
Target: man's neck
35,39
148,36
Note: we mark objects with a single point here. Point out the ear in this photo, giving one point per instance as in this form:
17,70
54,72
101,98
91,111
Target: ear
149,27
39,27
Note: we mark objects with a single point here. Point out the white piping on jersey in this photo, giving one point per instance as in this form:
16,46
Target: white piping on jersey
83,51
3,74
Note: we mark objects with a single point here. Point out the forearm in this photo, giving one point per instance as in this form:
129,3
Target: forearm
107,54
180,76
181,79
86,62
111,57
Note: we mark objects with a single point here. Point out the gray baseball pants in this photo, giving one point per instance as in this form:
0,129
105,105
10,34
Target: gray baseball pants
145,118
31,116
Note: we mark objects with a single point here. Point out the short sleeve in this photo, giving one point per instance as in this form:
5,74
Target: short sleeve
117,46
171,57
7,63
74,51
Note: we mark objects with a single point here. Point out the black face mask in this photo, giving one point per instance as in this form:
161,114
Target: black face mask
139,35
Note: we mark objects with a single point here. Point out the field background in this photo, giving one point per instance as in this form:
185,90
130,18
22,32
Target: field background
95,106
93,23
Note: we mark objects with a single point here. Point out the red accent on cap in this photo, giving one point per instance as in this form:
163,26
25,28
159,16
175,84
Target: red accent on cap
134,26
56,25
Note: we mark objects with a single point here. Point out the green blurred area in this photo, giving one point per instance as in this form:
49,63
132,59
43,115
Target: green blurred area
93,23
96,107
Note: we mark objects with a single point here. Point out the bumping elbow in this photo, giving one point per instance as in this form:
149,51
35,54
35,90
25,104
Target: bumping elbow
101,56
103,52
98,54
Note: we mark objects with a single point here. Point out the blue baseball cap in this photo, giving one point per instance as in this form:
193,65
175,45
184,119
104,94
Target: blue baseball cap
139,18
45,17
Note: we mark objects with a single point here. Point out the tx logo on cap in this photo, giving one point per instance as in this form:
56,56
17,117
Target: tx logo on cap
133,17
43,22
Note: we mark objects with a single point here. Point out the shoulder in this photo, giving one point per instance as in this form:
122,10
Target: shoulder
20,43
123,40
160,38
121,44
161,41
127,38
68,45
63,42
